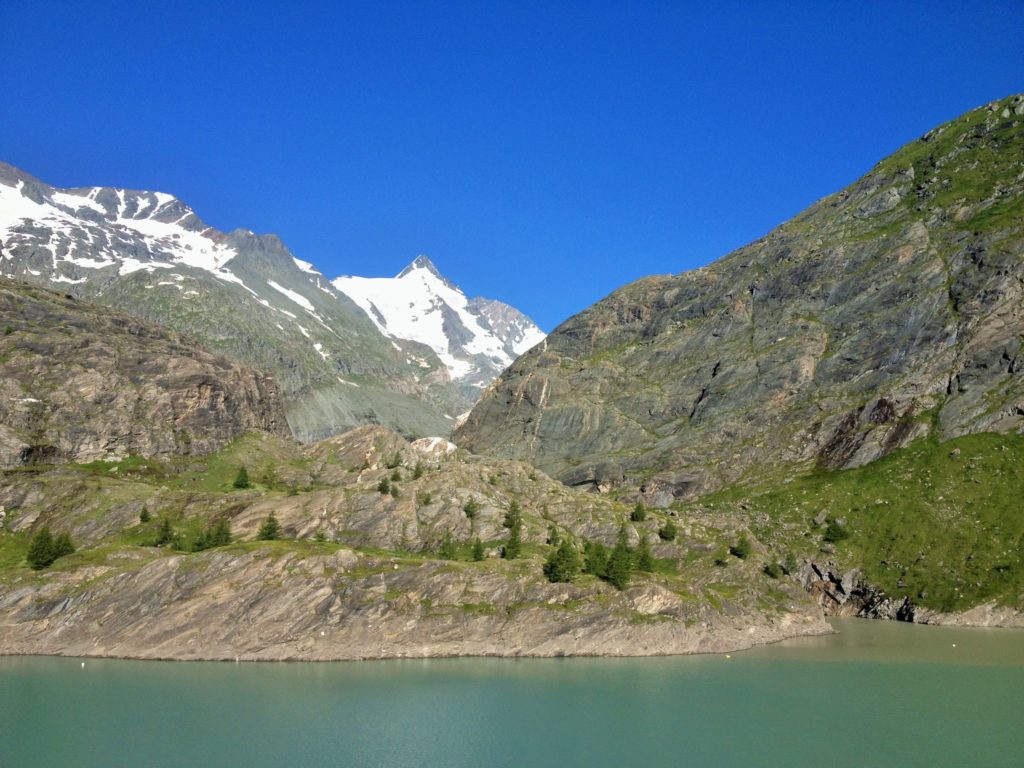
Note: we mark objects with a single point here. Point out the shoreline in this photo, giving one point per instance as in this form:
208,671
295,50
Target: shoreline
609,639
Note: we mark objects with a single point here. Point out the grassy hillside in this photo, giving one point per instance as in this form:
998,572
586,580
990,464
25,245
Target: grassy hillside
941,523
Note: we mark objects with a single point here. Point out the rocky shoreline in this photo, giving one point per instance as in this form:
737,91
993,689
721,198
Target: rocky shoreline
262,606
841,592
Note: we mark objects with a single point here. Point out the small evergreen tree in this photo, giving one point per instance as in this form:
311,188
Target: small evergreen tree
554,538
595,559
242,478
639,514
418,471
471,508
394,461
668,531
513,515
774,570
478,550
620,562
220,534
394,491
514,545
384,486
396,476
164,533
741,548
448,549
202,542
41,549
144,516
63,545
563,564
270,529
644,557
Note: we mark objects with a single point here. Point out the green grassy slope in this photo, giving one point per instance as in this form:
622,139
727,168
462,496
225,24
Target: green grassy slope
940,523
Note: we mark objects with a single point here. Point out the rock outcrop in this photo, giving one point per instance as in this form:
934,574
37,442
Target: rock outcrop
265,605
80,382
890,310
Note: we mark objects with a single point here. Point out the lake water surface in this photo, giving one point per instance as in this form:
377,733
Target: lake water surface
877,694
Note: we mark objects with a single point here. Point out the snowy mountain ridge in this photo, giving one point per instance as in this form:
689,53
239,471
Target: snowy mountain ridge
248,297
476,339
237,293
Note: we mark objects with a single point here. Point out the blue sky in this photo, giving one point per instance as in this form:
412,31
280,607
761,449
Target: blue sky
541,153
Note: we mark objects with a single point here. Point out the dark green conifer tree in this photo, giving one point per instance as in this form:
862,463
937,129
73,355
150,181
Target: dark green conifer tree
63,545
220,534
644,557
620,562
164,533
563,564
242,478
478,550
41,549
270,529
514,544
595,559
513,515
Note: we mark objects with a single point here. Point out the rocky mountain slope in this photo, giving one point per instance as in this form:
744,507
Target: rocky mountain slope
357,572
475,338
886,312
80,383
240,294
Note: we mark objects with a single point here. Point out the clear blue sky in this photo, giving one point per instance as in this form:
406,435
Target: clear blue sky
541,153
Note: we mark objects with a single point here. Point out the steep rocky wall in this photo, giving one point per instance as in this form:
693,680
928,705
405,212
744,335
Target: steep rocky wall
79,382
882,313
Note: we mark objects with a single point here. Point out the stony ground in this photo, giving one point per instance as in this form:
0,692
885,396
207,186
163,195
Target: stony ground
356,573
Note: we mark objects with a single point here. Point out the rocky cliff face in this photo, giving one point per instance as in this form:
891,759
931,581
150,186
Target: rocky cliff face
79,382
887,311
240,294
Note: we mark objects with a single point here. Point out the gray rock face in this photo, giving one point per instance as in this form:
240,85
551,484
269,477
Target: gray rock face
890,310
257,606
847,593
80,382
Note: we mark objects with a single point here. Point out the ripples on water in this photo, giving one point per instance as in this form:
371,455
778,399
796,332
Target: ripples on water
877,694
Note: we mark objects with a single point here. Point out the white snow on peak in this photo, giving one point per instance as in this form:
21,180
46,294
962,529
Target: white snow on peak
305,266
298,298
58,212
413,306
186,247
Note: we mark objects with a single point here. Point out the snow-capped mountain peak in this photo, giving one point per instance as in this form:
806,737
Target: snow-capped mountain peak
475,338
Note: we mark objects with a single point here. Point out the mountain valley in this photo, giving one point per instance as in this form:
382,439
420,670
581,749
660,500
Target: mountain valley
828,421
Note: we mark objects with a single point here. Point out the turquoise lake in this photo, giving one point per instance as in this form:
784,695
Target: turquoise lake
877,694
